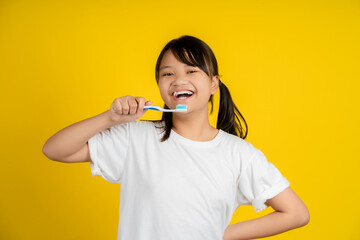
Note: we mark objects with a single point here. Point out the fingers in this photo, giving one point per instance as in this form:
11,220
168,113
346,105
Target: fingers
129,105
116,106
125,105
140,104
133,105
127,109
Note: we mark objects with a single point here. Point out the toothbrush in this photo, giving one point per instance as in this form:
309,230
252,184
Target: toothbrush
179,108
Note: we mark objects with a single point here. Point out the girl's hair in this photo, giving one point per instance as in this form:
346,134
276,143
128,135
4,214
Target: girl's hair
194,52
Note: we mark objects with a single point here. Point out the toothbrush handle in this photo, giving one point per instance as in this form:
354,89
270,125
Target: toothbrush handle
158,109
151,108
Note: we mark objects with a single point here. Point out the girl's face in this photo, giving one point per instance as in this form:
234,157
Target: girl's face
180,83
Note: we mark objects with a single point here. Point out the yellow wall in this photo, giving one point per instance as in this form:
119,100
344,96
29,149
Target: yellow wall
292,68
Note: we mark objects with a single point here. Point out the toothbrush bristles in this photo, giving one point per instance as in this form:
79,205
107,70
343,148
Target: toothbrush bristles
181,107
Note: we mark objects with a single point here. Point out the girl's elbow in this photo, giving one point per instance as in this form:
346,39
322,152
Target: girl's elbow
303,217
306,218
298,218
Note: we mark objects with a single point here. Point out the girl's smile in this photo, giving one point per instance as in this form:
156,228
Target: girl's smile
182,95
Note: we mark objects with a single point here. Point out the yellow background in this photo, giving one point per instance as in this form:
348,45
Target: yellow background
291,66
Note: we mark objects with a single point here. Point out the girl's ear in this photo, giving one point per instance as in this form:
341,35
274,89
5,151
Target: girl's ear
214,84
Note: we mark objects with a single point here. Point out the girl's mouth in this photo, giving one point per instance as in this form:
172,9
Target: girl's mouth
182,95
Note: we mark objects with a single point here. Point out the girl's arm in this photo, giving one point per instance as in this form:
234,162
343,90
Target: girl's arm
71,143
290,212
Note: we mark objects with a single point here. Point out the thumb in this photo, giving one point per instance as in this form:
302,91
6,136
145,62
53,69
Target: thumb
148,103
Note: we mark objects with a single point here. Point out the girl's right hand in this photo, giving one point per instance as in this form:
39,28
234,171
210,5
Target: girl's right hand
127,109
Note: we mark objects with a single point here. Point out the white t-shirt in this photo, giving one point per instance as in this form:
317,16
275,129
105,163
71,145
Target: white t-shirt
180,189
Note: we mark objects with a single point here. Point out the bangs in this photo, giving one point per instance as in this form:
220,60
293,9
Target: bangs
190,55
191,51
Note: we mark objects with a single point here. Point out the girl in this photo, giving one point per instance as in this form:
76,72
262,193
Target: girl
180,177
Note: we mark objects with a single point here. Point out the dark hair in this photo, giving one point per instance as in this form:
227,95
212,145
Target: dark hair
194,52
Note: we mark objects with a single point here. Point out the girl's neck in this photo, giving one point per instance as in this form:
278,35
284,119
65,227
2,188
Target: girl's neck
194,126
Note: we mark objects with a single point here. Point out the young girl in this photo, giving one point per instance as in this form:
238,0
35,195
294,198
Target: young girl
181,178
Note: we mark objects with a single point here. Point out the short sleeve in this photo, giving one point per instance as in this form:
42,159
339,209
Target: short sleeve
108,152
259,181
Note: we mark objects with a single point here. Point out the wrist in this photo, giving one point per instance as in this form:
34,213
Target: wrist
107,119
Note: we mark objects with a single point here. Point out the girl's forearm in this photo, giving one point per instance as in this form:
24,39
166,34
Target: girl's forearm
268,225
71,138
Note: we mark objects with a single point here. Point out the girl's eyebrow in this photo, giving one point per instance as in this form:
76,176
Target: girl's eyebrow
168,66
164,67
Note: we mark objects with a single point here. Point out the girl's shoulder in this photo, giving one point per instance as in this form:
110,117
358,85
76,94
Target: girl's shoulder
149,124
136,127
238,145
233,140
146,127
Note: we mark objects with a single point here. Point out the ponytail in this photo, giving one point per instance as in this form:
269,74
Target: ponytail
229,116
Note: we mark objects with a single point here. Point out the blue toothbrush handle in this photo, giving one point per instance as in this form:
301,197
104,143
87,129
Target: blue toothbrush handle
157,108
152,108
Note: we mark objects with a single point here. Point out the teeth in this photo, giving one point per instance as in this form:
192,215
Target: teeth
182,92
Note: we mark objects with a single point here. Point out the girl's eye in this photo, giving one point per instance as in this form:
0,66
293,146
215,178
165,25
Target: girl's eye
167,74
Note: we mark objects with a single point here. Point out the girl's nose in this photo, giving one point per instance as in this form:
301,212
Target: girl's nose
180,80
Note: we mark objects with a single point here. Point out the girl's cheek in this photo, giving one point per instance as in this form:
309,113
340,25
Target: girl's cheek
163,91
